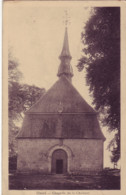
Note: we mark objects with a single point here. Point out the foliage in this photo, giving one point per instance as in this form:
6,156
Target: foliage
14,75
101,59
21,98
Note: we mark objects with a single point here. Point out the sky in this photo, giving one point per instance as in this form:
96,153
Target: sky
35,39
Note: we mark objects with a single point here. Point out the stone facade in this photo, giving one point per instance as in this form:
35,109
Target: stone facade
82,154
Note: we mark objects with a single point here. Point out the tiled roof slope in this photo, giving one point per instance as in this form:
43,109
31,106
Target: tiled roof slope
61,94
71,126
61,113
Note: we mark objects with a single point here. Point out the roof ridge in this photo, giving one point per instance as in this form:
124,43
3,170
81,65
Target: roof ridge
61,89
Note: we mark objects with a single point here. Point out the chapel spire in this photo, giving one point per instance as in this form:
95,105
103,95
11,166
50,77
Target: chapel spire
65,68
65,49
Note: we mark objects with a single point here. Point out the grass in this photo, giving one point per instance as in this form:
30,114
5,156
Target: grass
107,180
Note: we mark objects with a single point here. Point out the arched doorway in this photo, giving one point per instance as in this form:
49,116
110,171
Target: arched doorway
59,162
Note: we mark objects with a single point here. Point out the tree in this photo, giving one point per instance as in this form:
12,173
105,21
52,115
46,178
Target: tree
101,60
21,98
14,75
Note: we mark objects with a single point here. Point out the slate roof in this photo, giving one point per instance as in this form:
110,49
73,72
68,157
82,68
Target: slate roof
72,126
61,94
61,113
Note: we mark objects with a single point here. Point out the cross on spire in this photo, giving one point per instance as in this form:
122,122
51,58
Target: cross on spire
67,19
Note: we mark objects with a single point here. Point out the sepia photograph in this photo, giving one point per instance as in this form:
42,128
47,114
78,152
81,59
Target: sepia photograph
63,96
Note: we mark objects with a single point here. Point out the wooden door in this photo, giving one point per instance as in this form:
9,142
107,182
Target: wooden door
59,162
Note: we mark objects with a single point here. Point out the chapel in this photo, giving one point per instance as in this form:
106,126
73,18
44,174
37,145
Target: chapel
61,133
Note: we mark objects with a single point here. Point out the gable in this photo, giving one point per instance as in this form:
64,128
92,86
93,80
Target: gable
61,94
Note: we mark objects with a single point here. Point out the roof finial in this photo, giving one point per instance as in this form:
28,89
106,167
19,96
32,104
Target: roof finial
67,19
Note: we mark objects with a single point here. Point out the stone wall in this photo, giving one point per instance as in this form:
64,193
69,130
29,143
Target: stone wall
83,154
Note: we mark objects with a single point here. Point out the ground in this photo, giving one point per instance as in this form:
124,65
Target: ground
106,180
